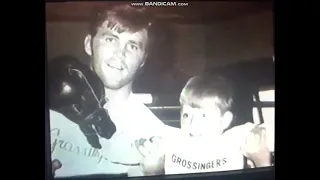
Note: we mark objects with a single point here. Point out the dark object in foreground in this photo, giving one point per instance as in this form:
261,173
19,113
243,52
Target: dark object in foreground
78,93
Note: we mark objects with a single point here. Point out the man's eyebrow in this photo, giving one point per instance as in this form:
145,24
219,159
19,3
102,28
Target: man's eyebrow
119,28
134,42
108,33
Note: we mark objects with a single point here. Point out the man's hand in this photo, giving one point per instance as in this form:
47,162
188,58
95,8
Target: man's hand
56,164
152,150
255,147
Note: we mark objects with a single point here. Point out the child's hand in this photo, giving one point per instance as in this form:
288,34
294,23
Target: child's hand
152,150
255,147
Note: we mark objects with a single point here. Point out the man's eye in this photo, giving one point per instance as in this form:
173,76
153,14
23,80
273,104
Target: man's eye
110,40
185,115
132,47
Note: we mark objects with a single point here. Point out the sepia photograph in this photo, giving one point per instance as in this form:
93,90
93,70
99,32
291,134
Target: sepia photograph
160,88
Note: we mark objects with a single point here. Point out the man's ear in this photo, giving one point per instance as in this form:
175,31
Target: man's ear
87,45
144,60
227,120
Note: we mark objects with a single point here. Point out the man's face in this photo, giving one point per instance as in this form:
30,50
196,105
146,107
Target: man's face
201,122
117,54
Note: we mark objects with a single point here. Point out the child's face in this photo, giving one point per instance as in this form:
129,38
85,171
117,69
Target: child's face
201,122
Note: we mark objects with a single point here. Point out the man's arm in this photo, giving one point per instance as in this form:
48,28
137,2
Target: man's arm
152,166
153,152
238,134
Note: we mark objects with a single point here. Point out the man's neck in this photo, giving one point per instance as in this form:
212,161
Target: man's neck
117,96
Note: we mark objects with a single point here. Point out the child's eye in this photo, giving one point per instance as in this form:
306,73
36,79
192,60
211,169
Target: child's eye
185,115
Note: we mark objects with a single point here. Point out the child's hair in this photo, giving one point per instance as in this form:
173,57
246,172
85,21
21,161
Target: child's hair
198,88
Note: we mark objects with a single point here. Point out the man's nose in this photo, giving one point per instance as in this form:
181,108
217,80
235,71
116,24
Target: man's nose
119,54
120,51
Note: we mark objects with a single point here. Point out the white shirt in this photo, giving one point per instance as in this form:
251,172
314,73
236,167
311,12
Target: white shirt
191,155
133,120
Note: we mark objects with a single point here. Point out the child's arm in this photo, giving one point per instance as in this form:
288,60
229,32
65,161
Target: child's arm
255,147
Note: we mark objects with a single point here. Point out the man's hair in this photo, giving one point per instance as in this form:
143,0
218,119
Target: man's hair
131,18
200,87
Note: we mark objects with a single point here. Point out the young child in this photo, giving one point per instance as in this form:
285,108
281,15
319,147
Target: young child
203,144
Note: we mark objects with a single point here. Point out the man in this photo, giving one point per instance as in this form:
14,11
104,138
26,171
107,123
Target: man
117,44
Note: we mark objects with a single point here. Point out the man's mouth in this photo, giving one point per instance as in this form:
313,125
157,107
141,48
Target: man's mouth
115,65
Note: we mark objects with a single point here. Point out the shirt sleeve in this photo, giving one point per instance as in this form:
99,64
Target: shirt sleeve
54,131
238,134
152,125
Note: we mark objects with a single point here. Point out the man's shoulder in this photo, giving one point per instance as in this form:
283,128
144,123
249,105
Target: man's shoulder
55,117
174,132
244,128
238,133
54,114
144,112
59,120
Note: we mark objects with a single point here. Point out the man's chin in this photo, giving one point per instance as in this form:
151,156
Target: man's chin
114,85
